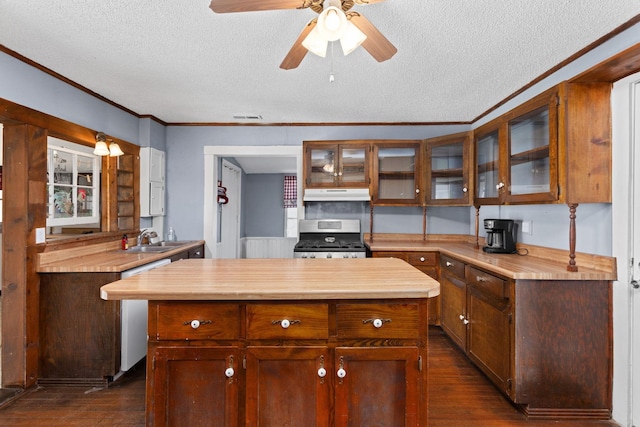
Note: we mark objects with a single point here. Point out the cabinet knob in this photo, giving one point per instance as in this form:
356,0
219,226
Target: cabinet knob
377,323
341,373
481,279
499,185
322,372
195,323
421,259
461,317
229,372
417,191
465,189
465,321
285,323
449,264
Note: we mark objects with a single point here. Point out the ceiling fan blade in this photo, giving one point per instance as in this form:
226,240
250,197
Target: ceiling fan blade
298,52
376,44
229,6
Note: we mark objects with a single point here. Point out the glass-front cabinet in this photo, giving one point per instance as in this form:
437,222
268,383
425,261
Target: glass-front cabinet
73,174
337,164
397,173
447,169
516,158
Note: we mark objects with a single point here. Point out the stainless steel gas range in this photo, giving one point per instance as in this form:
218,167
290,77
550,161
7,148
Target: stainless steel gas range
329,238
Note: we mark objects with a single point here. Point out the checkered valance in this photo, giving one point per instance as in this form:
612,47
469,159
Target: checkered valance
290,191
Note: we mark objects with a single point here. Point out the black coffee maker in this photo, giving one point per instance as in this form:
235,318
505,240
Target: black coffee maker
501,236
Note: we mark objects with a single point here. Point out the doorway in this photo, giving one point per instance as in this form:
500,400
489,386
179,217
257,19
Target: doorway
229,212
626,247
212,154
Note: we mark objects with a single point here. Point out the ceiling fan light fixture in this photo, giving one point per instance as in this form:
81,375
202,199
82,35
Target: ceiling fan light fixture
351,39
316,43
332,23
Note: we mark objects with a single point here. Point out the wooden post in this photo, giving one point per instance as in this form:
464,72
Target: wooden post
477,227
371,222
424,222
572,238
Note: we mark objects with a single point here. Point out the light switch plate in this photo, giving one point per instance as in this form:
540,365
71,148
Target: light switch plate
527,227
40,235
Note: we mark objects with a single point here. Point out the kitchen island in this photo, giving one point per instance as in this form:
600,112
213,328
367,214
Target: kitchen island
299,342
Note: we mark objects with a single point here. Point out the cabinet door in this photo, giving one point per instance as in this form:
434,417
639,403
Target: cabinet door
453,313
287,387
193,386
447,170
489,342
156,170
488,181
378,387
354,165
533,170
321,165
156,200
396,177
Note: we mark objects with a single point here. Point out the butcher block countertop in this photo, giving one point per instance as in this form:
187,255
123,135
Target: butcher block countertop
533,262
102,258
276,279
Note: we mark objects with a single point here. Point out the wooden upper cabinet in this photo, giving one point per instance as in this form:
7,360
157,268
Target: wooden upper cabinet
397,173
555,148
516,155
330,164
447,165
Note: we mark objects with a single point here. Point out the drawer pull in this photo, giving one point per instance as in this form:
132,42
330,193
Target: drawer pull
285,323
481,279
449,264
377,323
195,324
421,259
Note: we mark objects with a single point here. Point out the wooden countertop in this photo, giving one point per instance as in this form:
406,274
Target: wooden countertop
538,263
102,258
276,279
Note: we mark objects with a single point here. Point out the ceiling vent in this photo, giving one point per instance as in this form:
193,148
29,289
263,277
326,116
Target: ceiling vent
247,117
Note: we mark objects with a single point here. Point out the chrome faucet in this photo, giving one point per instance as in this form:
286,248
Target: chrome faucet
143,233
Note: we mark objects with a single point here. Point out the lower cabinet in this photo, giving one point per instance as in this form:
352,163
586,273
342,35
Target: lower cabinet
546,344
199,386
427,262
325,363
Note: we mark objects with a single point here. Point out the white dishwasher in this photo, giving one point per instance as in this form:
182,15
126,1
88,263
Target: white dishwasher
133,321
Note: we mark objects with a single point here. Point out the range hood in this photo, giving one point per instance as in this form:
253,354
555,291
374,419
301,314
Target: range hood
336,194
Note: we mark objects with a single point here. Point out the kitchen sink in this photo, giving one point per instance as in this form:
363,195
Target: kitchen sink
172,243
148,249
158,248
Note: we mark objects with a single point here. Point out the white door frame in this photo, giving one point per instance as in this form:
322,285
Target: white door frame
211,155
229,246
626,249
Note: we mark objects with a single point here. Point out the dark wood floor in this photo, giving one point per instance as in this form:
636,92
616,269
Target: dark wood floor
459,396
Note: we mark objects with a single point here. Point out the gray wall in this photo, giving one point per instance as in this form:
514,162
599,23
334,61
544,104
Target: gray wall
262,206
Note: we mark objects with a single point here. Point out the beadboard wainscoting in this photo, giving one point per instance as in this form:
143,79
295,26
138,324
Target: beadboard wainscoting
268,247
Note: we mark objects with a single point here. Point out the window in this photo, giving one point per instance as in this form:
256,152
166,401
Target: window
73,175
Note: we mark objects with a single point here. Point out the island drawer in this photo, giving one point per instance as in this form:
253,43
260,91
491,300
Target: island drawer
377,320
287,321
487,282
452,266
196,321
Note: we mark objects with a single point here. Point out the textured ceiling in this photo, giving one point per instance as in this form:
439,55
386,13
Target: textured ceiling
180,62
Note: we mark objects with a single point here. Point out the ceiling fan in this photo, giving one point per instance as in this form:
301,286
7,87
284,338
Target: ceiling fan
336,21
